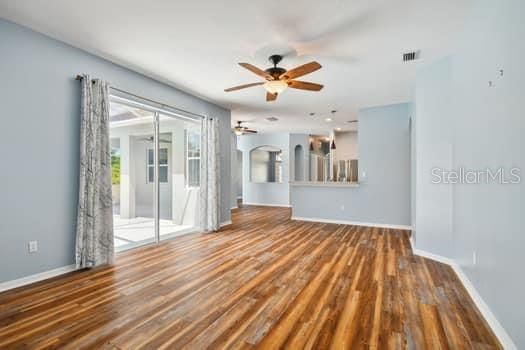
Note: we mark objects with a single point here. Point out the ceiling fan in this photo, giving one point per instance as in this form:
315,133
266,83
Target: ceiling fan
151,139
278,79
241,130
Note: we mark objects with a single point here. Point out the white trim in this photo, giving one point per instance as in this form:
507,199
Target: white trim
36,277
355,223
235,207
502,335
268,205
432,256
225,223
239,197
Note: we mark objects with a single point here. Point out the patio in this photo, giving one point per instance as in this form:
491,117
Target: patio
140,230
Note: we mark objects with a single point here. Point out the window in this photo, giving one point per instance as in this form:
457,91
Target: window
266,164
193,158
163,165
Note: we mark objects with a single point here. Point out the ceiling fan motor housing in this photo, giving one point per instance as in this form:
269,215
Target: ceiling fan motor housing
276,72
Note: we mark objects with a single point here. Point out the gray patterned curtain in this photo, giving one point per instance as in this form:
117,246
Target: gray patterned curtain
210,173
94,241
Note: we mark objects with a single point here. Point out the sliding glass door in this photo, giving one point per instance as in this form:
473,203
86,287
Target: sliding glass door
179,164
132,134
155,173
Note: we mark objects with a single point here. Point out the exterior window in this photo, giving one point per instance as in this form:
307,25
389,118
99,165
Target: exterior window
193,158
163,165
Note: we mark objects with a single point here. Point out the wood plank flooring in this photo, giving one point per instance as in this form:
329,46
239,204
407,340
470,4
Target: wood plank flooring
264,282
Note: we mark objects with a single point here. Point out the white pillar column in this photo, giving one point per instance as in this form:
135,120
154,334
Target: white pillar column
127,178
178,188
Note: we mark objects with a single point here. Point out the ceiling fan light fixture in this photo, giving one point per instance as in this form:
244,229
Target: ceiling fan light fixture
275,86
238,132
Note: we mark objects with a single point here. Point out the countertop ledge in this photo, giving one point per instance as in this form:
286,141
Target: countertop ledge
324,184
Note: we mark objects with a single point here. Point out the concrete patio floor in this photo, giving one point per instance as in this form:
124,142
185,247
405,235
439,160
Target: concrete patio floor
141,230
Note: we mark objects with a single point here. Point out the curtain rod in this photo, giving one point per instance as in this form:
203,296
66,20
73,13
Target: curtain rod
162,105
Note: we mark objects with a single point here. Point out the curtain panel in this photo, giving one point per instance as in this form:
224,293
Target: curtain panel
94,231
210,175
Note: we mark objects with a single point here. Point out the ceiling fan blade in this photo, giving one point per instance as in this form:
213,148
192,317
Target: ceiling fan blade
301,70
270,97
249,131
256,70
304,85
243,86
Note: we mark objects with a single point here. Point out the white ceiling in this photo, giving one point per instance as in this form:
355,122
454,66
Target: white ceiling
195,45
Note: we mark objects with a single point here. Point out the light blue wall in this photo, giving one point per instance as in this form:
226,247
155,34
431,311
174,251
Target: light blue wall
433,137
233,170
485,129
265,193
413,165
39,133
384,154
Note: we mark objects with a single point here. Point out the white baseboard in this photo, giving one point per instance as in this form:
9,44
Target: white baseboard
269,205
225,223
502,335
432,256
235,207
36,277
355,223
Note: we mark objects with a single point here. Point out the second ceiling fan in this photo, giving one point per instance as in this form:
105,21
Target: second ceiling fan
278,79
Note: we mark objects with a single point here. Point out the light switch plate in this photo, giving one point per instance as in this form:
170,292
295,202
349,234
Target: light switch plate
33,246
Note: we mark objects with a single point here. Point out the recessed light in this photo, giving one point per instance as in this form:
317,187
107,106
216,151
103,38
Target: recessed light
328,120
338,129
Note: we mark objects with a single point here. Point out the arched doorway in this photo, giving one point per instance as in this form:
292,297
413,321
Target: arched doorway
299,163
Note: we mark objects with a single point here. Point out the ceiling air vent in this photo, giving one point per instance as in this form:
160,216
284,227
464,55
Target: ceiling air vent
410,56
272,119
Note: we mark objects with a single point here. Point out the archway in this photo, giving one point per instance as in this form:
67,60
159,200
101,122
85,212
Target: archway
299,163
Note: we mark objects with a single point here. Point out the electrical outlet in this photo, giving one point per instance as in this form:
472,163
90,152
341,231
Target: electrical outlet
33,246
474,257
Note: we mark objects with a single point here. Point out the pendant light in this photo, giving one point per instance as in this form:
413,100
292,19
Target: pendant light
332,145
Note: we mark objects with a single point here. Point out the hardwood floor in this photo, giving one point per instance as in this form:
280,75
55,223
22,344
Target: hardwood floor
264,282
